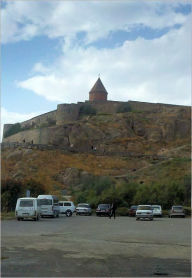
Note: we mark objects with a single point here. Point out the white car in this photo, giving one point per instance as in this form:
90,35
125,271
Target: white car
67,207
144,211
83,209
27,208
157,210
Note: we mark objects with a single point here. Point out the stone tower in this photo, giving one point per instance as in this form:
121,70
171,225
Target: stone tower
98,92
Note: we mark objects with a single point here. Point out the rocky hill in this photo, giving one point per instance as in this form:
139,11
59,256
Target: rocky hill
142,147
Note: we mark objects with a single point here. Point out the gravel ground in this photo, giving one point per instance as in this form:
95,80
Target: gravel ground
90,246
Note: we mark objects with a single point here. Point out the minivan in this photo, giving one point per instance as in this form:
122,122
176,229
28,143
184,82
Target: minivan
49,205
27,208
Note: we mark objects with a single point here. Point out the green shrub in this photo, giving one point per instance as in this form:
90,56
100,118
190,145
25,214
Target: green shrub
124,107
187,210
15,128
11,190
122,211
87,109
95,190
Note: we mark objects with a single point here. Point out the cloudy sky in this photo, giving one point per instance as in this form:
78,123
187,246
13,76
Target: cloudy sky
53,51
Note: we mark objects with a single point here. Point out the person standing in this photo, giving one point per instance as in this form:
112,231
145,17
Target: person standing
113,210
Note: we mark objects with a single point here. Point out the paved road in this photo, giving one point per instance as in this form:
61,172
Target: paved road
84,246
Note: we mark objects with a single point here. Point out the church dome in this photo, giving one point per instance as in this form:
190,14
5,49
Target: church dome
98,92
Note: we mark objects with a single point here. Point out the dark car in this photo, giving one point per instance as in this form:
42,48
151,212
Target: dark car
103,209
177,211
132,210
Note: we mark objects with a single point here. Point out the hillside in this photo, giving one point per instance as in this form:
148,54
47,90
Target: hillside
142,148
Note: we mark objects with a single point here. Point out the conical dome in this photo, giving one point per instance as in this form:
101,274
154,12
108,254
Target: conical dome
98,92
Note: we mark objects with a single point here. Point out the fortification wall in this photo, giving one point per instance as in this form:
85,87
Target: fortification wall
155,107
108,107
47,118
38,136
67,113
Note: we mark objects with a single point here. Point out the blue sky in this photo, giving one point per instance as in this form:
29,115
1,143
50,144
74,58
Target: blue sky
52,52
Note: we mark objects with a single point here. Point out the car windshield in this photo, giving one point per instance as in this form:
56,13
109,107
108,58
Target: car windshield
144,208
45,202
133,207
26,203
178,207
103,206
83,206
156,207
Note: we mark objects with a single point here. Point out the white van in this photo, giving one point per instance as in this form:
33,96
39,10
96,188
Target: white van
66,207
49,205
27,208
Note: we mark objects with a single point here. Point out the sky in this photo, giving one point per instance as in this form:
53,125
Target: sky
53,51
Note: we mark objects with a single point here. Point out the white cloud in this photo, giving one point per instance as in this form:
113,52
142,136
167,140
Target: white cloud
155,70
8,117
22,20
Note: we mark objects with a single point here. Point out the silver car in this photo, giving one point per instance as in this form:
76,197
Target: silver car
177,211
83,209
157,210
144,211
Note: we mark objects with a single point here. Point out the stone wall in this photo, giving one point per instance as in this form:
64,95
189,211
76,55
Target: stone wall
106,107
40,121
155,107
47,118
67,113
38,136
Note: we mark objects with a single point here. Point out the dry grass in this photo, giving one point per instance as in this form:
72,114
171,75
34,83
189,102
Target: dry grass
7,215
44,165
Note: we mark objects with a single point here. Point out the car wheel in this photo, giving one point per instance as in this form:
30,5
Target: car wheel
18,219
137,218
68,213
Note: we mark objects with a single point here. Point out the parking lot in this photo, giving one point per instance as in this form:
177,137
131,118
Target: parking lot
90,246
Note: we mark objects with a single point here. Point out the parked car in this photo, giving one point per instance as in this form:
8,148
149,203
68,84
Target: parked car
132,210
177,211
144,211
103,209
27,208
83,209
157,210
67,208
49,205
